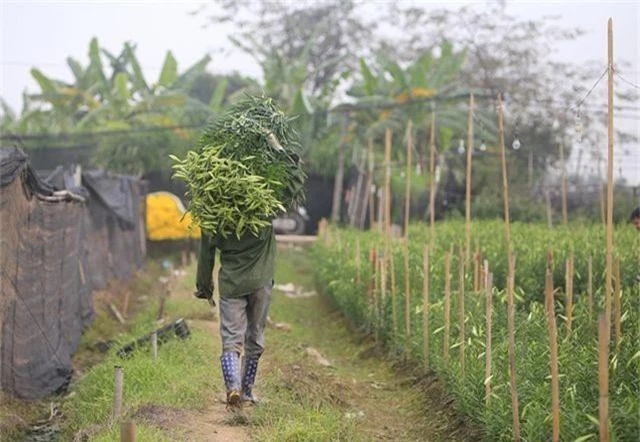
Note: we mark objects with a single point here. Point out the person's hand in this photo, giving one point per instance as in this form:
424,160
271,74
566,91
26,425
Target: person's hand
205,294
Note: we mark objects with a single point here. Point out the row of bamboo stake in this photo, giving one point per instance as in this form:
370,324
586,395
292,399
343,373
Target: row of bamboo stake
383,284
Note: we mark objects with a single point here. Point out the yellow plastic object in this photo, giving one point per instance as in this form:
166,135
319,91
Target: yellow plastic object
164,214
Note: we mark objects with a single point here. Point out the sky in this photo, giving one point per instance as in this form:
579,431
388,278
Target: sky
44,33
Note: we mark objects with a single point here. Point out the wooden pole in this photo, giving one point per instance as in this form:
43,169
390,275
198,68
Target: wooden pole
609,225
432,179
553,348
530,168
461,311
549,210
447,303
563,185
477,280
569,292
378,296
617,301
373,303
467,211
128,431
125,303
118,386
505,180
387,181
603,376
487,358
425,307
354,202
590,287
512,348
407,193
370,199
394,303
154,345
407,300
339,178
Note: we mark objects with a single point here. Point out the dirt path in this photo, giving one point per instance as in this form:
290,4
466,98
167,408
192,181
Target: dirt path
214,423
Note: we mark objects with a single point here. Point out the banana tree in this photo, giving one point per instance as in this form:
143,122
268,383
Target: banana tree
389,95
115,95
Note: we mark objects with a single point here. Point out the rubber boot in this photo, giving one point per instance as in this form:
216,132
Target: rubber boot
249,378
231,374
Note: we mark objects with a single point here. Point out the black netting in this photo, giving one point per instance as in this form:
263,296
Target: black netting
59,242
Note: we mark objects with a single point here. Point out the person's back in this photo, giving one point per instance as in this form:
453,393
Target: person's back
245,281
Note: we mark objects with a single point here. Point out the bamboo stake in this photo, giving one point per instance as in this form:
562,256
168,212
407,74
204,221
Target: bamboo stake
461,266
476,269
603,376
563,185
370,195
407,300
375,287
617,300
357,261
569,292
339,178
488,311
609,225
505,180
407,194
394,304
590,287
425,307
553,348
467,211
128,431
387,182
354,201
432,180
512,349
447,303
118,385
154,345
549,211
378,297
603,205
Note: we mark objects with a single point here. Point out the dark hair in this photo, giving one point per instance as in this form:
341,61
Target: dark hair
635,214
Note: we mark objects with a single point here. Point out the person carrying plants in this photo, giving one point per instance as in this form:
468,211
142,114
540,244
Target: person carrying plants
244,173
245,284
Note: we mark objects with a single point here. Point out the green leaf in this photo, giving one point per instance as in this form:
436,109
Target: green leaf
138,77
46,85
169,72
215,104
121,89
188,76
370,82
96,65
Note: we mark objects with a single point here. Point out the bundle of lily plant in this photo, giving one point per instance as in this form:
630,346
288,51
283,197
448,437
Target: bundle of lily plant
245,169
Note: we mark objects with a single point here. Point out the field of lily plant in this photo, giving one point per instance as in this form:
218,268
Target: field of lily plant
521,355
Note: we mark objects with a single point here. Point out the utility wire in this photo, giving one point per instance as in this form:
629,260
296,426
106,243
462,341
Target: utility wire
627,81
69,135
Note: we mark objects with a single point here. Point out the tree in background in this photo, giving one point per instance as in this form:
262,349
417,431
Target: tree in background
141,122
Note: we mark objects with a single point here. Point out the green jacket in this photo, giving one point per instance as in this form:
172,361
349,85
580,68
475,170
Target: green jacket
246,264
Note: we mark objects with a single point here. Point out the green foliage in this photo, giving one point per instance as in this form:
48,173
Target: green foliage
246,169
336,273
179,377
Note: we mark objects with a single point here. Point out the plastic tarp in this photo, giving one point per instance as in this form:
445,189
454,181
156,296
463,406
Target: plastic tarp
59,241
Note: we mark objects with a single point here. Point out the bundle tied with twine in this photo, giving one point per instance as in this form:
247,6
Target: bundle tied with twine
245,169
